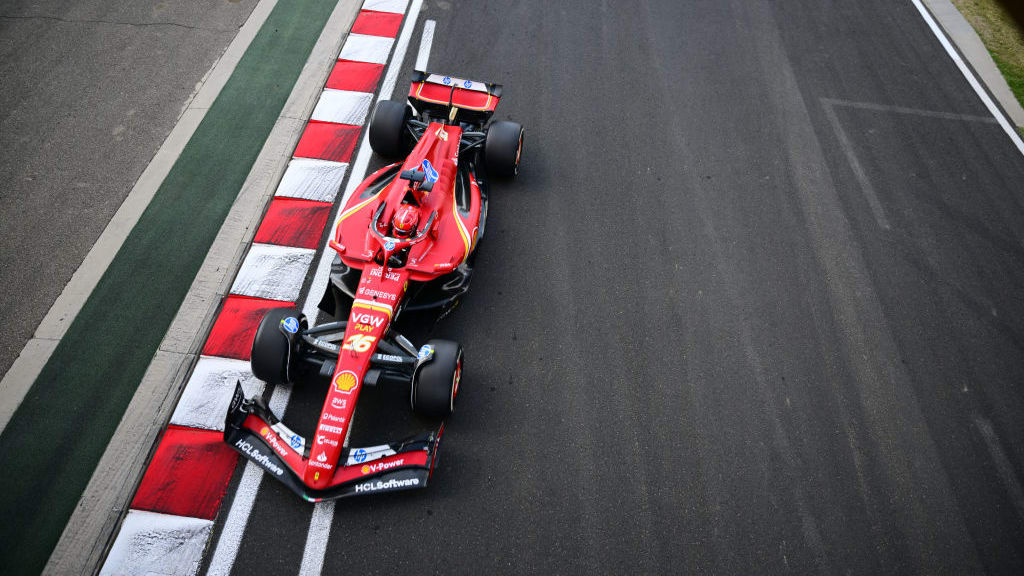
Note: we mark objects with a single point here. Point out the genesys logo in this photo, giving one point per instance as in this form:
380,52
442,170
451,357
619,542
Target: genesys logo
340,404
321,440
389,485
332,429
380,466
374,293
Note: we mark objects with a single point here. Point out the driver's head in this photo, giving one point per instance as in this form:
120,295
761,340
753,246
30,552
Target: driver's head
404,223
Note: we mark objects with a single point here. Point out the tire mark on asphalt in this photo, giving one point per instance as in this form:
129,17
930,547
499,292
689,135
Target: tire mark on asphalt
937,537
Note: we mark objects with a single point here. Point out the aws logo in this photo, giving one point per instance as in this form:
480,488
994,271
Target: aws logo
345,382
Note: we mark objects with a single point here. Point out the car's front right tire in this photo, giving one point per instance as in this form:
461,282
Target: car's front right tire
503,146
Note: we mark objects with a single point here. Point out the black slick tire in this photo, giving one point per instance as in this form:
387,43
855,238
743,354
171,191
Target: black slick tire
270,354
503,147
388,135
436,384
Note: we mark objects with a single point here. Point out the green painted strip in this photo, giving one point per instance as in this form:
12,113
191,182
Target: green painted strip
55,439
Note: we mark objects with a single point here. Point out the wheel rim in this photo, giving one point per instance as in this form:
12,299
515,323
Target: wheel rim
456,378
519,152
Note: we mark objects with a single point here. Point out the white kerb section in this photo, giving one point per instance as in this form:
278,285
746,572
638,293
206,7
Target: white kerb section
396,6
273,272
151,543
310,179
206,397
342,107
365,48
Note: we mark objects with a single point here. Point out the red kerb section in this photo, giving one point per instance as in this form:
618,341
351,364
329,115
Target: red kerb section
377,23
235,328
355,76
188,474
328,141
292,222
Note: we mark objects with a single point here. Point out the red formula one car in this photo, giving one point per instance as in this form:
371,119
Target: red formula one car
404,241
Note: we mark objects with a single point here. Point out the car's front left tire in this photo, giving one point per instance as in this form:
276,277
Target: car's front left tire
388,135
271,359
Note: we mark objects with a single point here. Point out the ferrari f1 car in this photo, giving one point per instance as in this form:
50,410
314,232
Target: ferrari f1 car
405,240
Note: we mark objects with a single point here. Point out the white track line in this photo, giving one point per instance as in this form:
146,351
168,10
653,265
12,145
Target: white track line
323,513
316,540
1007,126
323,267
241,506
426,41
858,170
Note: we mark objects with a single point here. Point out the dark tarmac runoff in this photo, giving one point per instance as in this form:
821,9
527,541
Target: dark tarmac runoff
89,91
752,306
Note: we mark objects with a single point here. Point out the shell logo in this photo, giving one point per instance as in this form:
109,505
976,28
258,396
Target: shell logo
365,469
263,431
345,382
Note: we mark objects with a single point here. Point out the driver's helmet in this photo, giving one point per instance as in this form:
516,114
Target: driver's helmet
404,223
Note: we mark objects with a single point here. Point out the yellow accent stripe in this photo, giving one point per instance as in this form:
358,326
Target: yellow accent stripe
358,207
462,227
359,303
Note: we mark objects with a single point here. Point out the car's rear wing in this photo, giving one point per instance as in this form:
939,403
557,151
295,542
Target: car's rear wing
437,93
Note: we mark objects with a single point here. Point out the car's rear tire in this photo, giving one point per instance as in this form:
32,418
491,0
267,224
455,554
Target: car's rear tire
502,149
270,355
436,384
388,136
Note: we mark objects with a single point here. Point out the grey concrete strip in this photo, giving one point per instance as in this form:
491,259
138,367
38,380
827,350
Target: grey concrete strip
970,45
34,356
92,527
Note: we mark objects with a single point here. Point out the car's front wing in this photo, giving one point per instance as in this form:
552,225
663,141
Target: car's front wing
253,430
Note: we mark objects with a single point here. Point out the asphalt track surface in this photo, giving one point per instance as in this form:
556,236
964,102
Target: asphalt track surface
90,90
753,305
